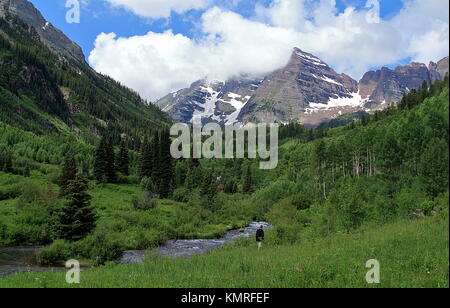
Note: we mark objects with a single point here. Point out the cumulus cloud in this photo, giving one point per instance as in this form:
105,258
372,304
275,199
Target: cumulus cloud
424,26
159,8
230,45
158,63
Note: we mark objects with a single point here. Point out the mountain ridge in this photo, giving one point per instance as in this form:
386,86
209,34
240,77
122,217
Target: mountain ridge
51,36
45,90
307,90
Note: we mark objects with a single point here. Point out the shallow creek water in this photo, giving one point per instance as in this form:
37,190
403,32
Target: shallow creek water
189,248
23,259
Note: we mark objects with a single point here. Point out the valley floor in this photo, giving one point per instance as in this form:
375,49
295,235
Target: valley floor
411,254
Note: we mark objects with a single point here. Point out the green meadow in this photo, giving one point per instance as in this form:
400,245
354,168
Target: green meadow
412,254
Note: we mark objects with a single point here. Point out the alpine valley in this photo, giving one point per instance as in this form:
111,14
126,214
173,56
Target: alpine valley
87,174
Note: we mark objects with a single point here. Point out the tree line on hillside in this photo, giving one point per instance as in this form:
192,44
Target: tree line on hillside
409,100
405,145
33,74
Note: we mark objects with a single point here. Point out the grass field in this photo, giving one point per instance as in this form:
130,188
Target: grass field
411,254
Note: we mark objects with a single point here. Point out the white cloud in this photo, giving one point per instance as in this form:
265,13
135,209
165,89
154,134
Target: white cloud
158,63
424,25
289,14
159,8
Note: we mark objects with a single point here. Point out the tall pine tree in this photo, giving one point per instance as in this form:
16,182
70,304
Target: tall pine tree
100,161
77,218
104,162
68,173
248,181
111,172
146,167
123,161
164,170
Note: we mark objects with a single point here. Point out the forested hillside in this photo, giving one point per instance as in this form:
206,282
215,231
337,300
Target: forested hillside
51,105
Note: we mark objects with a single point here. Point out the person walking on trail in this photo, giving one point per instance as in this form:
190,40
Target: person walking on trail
260,237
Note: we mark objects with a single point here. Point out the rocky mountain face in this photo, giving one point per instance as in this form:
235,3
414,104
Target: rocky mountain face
210,101
387,86
440,69
49,35
306,90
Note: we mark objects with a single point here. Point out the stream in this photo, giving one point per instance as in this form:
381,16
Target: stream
23,259
20,260
189,248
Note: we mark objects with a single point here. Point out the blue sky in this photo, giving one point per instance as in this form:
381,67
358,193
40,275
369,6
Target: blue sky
228,38
99,16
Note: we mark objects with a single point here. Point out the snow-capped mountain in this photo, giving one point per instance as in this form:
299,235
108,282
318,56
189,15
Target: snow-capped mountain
210,101
306,90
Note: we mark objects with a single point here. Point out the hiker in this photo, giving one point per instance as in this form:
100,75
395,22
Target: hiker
260,236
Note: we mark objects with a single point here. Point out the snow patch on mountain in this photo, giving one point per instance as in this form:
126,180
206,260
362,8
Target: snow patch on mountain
311,59
237,104
353,100
209,106
327,79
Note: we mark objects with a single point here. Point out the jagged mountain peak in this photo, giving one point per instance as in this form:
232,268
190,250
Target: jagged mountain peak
387,85
48,34
306,89
302,87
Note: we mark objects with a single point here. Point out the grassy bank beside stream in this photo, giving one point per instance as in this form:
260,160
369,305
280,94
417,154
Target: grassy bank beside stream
411,254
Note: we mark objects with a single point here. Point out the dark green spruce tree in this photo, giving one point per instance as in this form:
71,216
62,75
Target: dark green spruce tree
123,160
164,169
248,181
111,172
155,155
77,218
104,162
68,173
100,161
146,163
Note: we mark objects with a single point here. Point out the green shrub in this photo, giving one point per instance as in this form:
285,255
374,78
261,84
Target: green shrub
408,201
301,201
59,252
3,229
181,194
101,247
10,191
24,233
286,218
30,193
427,207
144,203
148,185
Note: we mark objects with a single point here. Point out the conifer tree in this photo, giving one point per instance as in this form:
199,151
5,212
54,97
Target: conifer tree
193,178
100,161
155,156
77,218
111,173
248,181
146,168
68,173
164,171
104,165
180,173
123,161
